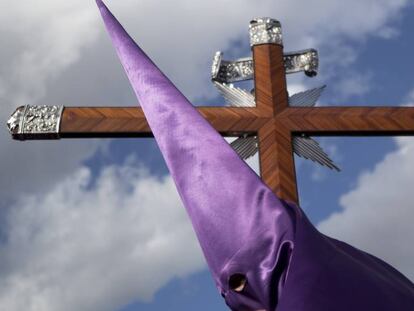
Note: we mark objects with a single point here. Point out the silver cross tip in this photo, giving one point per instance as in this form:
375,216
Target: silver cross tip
265,30
35,122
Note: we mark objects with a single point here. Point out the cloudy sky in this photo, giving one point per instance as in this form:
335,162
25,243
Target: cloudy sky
97,224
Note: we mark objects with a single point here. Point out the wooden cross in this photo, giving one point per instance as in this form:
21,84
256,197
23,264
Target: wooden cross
272,120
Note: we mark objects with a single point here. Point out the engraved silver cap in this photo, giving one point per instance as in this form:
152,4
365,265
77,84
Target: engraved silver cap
35,122
265,30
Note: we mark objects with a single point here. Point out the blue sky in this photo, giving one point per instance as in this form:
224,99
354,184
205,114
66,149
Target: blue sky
97,224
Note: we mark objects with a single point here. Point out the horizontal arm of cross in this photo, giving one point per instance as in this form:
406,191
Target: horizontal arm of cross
131,122
321,121
349,121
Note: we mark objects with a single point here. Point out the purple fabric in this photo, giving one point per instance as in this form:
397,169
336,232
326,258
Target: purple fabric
241,225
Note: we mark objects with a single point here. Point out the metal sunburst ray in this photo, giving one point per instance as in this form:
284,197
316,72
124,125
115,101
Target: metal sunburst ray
308,148
307,98
245,146
234,96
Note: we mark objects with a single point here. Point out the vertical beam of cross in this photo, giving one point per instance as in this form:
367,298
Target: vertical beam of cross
275,144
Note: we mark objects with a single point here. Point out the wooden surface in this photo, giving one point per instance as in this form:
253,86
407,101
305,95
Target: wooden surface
276,160
319,121
130,121
272,120
349,121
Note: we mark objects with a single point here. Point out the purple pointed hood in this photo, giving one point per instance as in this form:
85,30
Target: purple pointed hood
262,252
219,191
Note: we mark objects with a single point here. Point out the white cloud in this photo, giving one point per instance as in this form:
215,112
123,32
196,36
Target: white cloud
32,167
75,248
353,84
39,40
377,215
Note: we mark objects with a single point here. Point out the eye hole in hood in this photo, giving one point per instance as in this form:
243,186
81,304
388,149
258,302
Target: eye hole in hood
237,282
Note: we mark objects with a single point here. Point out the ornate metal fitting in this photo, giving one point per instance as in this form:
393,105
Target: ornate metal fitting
305,60
215,66
242,69
231,71
265,30
35,122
